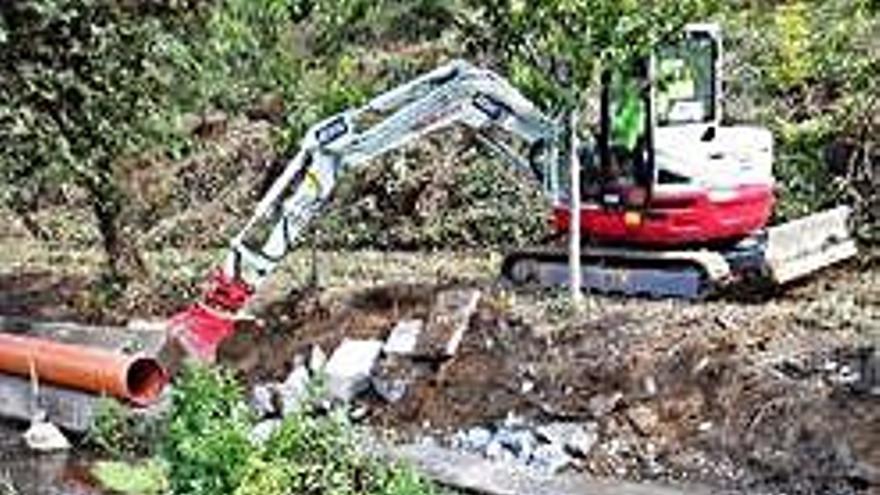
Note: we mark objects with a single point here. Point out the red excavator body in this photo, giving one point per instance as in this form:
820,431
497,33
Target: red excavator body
677,219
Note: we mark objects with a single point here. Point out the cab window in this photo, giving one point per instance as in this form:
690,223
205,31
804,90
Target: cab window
686,81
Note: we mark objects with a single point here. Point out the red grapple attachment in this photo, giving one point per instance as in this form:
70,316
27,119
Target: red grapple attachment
198,330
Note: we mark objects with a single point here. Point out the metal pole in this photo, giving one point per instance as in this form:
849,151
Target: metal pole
574,226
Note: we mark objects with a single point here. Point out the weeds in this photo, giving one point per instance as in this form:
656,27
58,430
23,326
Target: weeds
145,478
206,444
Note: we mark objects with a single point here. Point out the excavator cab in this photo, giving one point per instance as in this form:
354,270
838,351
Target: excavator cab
665,172
678,86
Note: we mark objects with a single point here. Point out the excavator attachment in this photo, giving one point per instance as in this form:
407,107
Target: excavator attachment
803,246
198,330
455,94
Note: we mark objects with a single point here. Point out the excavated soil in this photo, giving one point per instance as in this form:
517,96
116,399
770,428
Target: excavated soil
770,394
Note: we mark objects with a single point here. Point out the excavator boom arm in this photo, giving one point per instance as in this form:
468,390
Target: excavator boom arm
454,94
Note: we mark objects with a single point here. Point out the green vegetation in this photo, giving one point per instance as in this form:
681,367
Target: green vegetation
118,432
146,478
204,448
102,102
807,70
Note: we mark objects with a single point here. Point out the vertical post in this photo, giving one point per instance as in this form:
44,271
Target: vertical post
574,226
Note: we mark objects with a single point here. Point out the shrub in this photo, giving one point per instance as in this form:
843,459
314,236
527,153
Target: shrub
207,450
206,445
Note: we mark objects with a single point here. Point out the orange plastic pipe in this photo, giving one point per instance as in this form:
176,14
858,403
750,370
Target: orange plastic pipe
137,379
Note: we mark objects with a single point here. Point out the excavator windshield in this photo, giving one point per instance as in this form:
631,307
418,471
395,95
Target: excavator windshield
676,86
685,80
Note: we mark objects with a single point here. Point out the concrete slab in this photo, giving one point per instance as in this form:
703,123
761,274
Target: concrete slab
447,322
404,337
349,369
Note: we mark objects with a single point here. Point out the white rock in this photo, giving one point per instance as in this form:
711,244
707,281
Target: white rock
391,390
521,442
582,442
359,413
263,431
550,458
575,438
514,421
349,368
45,437
262,400
498,452
475,440
404,337
317,359
294,390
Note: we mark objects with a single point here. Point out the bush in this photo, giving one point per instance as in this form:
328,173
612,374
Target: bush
436,195
207,451
206,446
118,432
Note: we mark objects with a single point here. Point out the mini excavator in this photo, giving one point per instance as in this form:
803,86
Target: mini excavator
674,203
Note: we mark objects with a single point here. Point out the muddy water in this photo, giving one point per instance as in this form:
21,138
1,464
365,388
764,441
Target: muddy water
27,473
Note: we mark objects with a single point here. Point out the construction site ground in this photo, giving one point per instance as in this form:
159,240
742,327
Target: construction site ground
771,392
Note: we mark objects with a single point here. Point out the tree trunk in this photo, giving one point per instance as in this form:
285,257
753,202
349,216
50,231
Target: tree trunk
23,206
574,255
124,260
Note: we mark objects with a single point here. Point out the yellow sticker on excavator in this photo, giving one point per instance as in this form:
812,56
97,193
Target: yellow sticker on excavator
314,181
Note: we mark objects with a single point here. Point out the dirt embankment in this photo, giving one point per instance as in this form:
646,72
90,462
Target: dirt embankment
770,395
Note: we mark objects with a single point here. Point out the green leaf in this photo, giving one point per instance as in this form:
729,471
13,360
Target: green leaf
146,478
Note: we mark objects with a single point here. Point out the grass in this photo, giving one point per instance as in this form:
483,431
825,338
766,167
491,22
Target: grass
145,478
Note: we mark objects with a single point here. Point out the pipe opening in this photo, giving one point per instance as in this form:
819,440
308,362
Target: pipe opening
145,380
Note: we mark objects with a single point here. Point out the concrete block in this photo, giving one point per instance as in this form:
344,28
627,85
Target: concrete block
349,369
294,390
449,319
404,337
45,437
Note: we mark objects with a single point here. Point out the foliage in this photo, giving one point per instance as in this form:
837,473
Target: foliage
805,69
80,88
96,95
207,451
441,196
555,49
206,446
118,432
316,455
146,478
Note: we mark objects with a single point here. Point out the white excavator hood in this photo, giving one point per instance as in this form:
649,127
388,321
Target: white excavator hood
735,156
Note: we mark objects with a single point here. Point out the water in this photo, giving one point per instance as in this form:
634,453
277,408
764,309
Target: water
23,472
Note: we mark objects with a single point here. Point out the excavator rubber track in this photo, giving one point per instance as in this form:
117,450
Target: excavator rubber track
777,256
629,272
